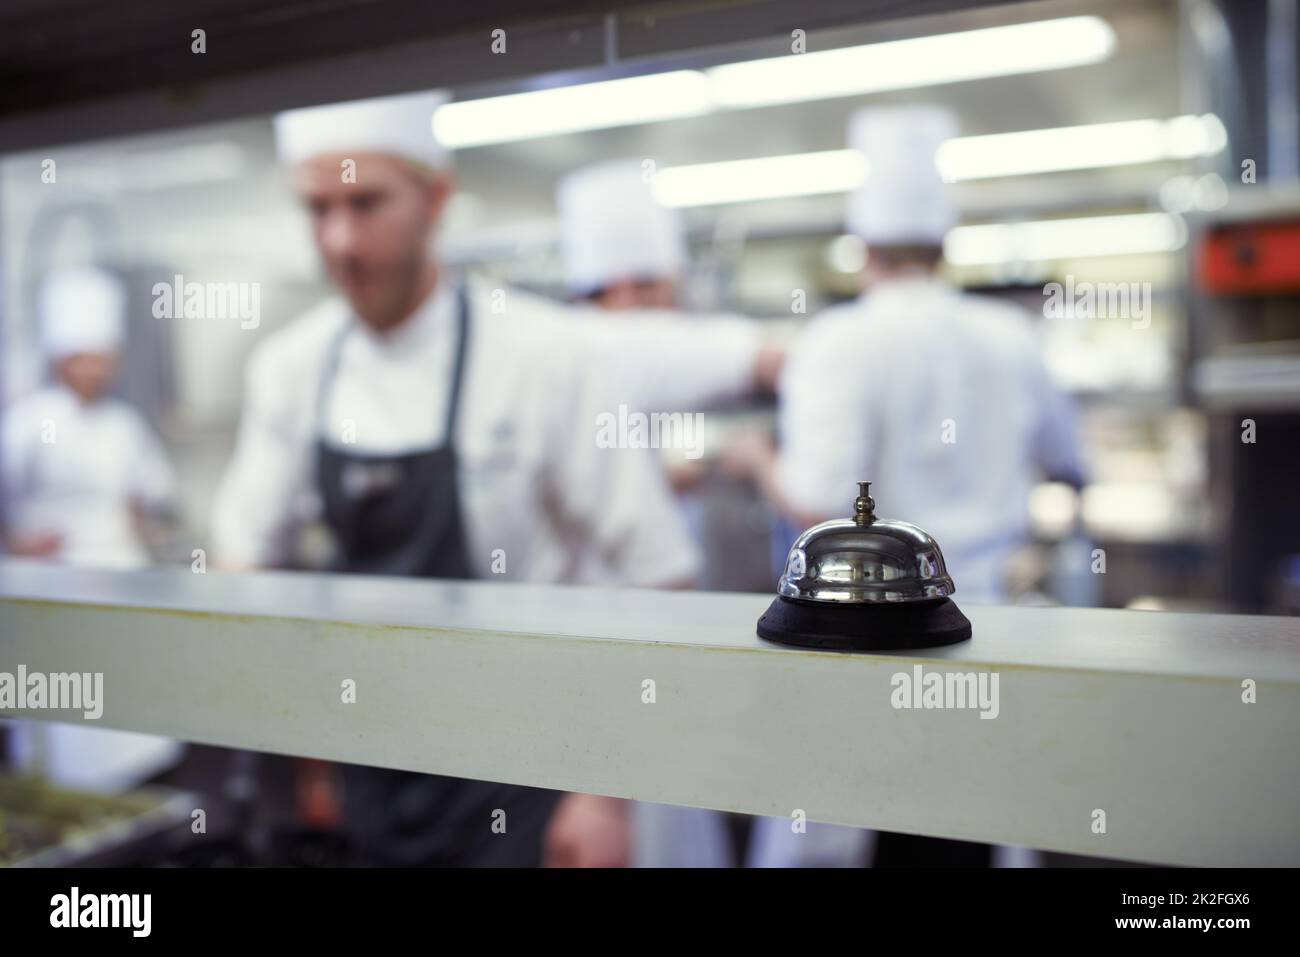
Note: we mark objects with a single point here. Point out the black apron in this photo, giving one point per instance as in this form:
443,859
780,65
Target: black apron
401,515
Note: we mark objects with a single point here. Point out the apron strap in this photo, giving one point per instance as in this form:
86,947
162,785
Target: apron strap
458,368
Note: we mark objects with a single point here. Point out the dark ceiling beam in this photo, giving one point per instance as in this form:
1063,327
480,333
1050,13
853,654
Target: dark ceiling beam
74,70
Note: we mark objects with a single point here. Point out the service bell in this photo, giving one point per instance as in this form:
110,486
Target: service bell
864,583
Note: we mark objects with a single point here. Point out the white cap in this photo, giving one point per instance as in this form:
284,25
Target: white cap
81,311
613,228
904,201
398,125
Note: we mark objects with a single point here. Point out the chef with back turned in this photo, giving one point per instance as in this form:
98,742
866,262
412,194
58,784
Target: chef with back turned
438,428
939,398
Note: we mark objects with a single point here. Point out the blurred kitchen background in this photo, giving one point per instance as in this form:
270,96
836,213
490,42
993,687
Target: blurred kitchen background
1113,151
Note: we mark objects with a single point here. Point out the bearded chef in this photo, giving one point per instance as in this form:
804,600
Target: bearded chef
81,469
438,428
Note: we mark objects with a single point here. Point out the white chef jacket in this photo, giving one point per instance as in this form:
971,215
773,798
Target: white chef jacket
73,468
943,402
697,359
535,487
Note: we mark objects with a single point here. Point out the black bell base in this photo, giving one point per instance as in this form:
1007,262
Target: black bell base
864,627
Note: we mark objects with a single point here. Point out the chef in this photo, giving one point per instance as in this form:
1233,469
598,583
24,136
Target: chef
437,428
622,249
81,470
941,399
624,255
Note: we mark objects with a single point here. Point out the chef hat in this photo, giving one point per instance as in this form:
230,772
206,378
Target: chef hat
904,200
399,125
612,228
81,311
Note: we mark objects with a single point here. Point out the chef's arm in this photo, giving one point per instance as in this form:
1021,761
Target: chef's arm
768,365
682,363
636,524
752,455
253,512
823,440
617,498
34,545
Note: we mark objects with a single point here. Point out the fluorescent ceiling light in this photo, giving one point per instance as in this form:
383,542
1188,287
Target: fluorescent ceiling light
923,61
1080,147
1064,239
965,158
801,174
893,65
571,109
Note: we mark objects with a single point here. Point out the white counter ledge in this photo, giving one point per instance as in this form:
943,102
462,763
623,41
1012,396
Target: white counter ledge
1137,714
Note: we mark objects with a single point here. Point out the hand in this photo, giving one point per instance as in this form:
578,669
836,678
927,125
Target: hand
747,454
588,830
35,545
768,365
684,476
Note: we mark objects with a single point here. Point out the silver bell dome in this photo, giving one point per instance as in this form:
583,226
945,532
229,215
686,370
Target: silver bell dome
865,559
